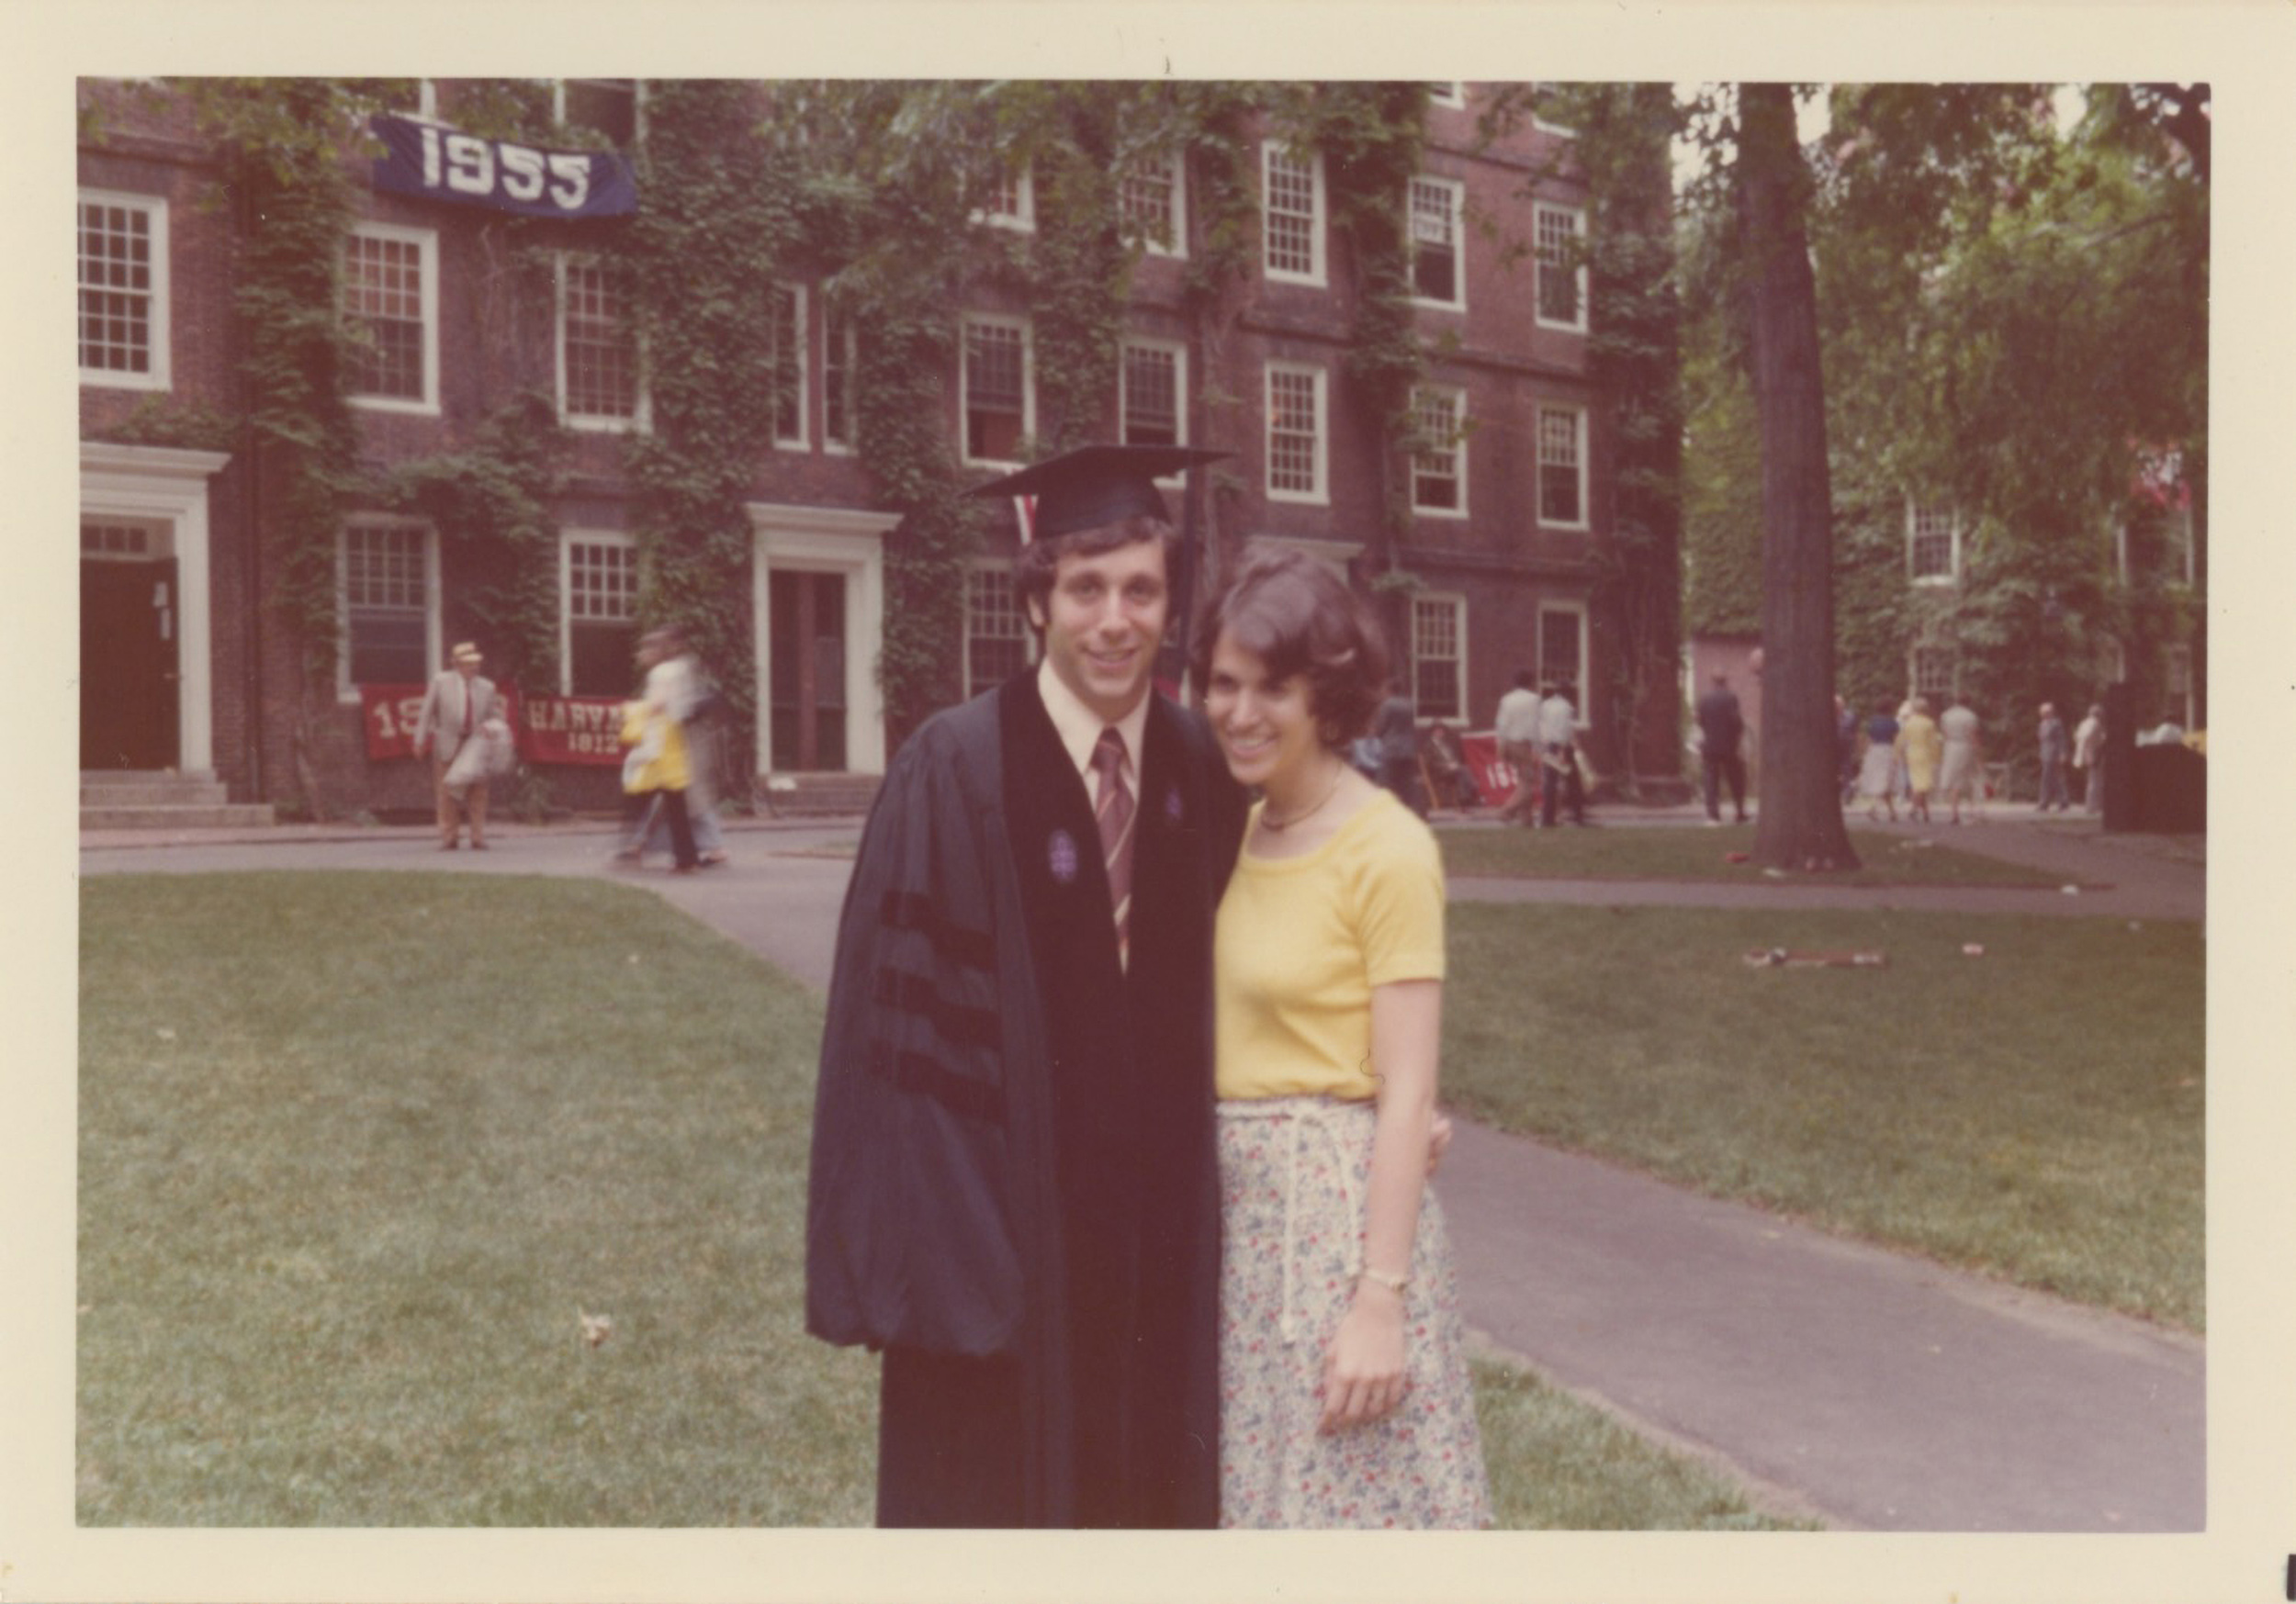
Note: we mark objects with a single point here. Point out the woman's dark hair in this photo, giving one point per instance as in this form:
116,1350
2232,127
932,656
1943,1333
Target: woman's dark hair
1299,618
1037,564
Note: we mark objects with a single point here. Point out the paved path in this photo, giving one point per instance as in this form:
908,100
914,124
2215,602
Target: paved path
1866,1389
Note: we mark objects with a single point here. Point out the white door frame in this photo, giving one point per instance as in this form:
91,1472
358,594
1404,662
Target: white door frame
827,540
162,484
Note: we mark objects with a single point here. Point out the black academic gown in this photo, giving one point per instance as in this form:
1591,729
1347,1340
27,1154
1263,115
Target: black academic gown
1015,1190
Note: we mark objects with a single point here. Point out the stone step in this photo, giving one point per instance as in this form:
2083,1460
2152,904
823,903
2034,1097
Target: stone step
174,816
102,791
818,796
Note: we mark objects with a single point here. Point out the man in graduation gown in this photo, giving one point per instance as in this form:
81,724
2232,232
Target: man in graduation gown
1014,1192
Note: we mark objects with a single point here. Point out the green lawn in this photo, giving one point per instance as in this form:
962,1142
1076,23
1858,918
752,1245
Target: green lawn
1667,852
359,1152
2036,1112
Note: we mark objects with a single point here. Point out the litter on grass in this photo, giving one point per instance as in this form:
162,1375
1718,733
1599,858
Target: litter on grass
1972,950
596,1328
1782,957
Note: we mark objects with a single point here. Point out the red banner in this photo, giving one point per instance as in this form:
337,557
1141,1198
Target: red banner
571,729
1494,776
550,729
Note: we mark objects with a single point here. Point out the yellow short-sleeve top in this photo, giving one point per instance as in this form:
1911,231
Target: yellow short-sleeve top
1301,941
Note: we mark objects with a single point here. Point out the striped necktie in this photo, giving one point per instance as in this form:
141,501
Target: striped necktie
1112,807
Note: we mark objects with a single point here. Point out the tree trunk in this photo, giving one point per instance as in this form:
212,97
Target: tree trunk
1800,824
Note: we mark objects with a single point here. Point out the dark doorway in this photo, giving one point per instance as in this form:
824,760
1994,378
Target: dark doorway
807,667
128,674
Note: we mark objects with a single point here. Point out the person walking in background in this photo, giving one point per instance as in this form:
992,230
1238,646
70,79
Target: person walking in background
694,701
1516,728
1878,768
1559,742
457,705
1397,731
1721,726
656,771
1919,749
1345,1395
2056,750
1961,774
1846,732
2089,756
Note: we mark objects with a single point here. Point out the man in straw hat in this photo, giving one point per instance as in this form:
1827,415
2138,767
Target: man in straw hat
456,706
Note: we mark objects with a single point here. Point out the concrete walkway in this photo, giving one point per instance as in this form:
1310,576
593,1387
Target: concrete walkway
1866,1389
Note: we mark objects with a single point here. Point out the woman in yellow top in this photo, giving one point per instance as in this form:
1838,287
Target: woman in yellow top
655,762
1921,745
1345,1395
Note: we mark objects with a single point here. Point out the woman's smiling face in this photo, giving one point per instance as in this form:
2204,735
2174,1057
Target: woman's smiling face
1267,727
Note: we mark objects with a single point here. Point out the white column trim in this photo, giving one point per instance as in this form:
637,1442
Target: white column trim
163,483
827,540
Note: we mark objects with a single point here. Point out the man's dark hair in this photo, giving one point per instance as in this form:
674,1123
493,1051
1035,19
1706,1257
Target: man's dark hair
1298,618
1034,567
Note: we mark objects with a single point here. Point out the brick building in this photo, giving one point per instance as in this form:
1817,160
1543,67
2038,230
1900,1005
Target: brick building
186,667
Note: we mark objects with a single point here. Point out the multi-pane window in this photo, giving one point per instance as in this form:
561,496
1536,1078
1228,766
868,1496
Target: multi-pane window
390,297
1933,674
598,360
1449,92
1561,286
1436,205
1546,106
1011,198
114,539
1293,215
1150,404
995,635
1295,434
838,362
1438,468
1932,543
600,591
997,390
1438,659
385,604
1562,466
1153,197
123,290
786,356
606,106
1562,651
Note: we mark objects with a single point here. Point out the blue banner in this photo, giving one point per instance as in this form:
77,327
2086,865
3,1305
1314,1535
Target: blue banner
440,163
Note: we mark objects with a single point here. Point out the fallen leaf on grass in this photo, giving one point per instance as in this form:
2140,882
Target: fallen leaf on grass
165,1034
596,1328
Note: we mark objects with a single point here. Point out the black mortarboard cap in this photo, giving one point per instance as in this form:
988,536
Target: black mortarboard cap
1096,485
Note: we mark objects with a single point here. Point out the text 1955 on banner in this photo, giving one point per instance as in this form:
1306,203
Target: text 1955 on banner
441,163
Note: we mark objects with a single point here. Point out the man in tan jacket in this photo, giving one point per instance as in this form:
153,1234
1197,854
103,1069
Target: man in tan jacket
459,701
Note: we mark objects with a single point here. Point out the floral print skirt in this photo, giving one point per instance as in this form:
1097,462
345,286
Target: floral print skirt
1293,1172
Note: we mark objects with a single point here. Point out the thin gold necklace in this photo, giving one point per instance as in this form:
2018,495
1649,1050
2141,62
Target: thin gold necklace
1339,772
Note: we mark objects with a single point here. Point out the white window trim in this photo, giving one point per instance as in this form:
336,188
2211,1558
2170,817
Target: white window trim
1583,670
1028,384
1177,351
160,376
1459,243
851,333
1177,167
1578,216
1913,671
998,570
432,651
567,537
427,240
1320,495
641,420
1450,92
637,102
1022,218
803,439
1459,451
1540,123
1952,571
1457,604
1318,226
1538,501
